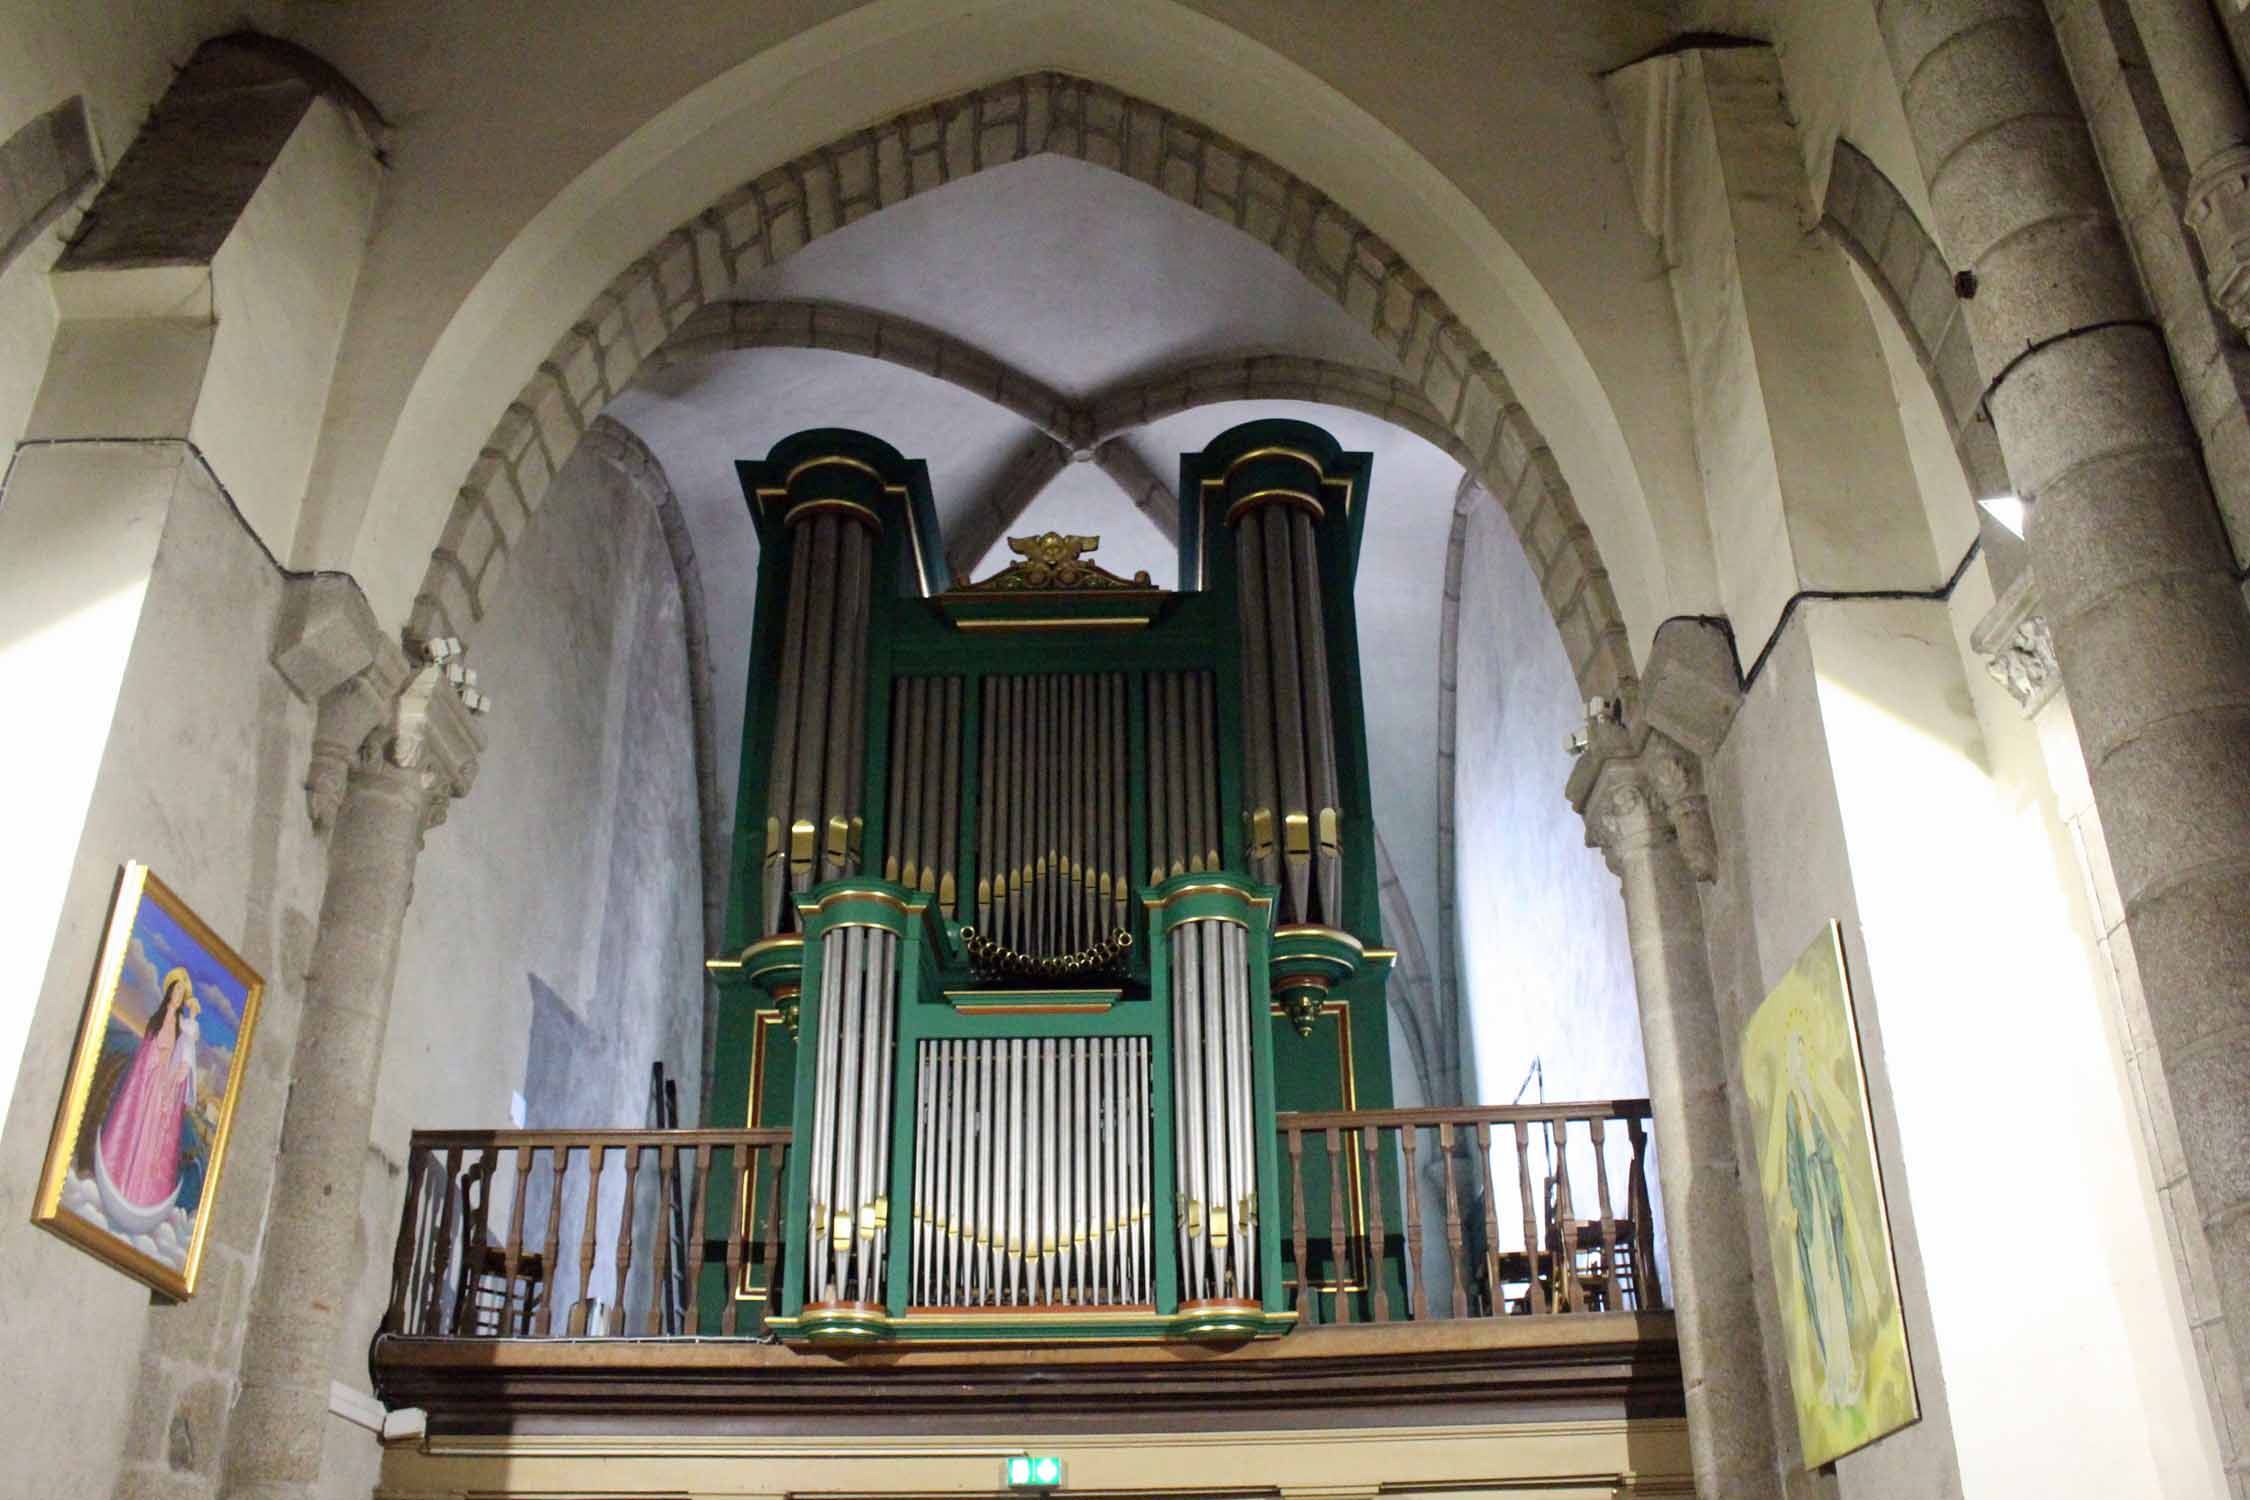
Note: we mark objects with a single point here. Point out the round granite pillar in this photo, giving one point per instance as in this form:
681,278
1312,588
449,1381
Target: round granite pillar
2133,570
1722,1363
311,1258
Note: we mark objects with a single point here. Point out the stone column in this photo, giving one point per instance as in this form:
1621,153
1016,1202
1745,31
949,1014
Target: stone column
2149,626
412,754
2194,71
1634,813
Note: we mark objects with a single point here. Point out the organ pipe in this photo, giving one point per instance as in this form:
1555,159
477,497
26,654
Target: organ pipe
1213,1141
1292,783
1106,890
817,751
1069,1196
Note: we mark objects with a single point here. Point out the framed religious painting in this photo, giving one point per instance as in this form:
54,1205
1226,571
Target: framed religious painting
1842,1325
141,1133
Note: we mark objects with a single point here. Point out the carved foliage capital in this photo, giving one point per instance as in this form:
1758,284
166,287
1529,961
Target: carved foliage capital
2017,647
2218,212
1624,814
392,715
1678,778
1648,799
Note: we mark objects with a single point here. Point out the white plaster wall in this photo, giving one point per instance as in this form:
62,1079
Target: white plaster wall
200,778
1784,871
281,286
571,865
1545,971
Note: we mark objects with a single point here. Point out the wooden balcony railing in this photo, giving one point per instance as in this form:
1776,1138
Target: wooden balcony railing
1387,1216
1397,1214
589,1233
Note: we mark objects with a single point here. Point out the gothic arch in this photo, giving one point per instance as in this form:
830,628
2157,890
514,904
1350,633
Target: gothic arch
779,212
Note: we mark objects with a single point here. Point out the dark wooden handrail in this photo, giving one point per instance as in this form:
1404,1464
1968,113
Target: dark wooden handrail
1485,1114
440,1140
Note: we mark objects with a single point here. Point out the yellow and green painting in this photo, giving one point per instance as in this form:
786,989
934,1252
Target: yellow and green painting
1840,1315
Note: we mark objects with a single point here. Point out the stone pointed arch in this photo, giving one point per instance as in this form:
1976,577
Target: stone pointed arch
779,212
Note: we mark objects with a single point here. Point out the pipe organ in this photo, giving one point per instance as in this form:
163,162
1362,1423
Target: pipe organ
1049,890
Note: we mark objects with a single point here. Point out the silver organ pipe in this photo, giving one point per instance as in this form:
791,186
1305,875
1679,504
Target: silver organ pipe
1183,782
1213,1143
1054,796
1032,1155
848,1205
1292,782
817,752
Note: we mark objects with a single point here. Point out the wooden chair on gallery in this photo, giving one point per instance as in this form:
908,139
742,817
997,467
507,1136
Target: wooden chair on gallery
488,1303
1593,1271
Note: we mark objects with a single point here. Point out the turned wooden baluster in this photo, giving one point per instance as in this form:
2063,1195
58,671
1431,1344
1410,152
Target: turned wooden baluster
1453,1245
441,1252
1491,1219
409,1229
552,1263
1567,1291
1378,1251
1308,1300
1612,1300
663,1236
698,1209
1339,1225
1532,1284
1648,1286
620,1311
1419,1298
513,1258
743,1163
596,1154
773,1233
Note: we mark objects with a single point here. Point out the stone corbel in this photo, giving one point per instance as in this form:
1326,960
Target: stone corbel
2218,213
2017,648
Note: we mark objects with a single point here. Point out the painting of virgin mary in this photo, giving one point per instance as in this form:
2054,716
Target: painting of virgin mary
133,1167
1843,1328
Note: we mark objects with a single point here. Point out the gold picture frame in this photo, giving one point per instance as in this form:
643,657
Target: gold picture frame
1843,1327
140,1136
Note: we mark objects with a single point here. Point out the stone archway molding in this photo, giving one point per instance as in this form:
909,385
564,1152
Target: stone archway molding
780,211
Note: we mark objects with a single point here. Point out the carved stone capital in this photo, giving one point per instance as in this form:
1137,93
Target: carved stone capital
2218,213
2017,648
1625,813
433,736
391,714
1643,790
1678,779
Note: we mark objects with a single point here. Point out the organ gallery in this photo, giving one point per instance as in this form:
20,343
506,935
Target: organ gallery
1057,885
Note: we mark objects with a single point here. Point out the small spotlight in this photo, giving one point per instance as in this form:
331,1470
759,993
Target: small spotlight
2008,510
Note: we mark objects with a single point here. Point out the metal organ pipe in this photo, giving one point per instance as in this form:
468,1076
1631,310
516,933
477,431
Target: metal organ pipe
1217,1157
849,1204
817,759
1032,1155
1257,707
781,769
1292,784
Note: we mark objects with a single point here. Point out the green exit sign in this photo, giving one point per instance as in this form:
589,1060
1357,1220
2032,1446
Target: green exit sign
1033,1473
